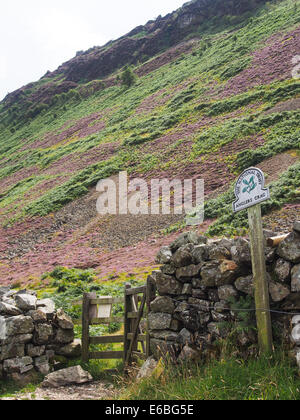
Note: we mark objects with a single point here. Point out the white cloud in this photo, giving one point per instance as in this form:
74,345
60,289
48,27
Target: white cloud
62,34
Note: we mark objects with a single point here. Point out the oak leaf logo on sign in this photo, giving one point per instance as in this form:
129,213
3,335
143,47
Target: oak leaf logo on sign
251,185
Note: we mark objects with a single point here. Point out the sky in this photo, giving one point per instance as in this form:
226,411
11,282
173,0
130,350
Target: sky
37,36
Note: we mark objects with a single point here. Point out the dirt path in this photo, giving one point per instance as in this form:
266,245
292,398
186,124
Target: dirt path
93,391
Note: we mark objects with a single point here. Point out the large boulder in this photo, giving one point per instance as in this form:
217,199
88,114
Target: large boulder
240,251
64,336
19,365
200,254
183,256
9,309
296,226
63,320
282,270
164,255
159,321
187,238
43,333
11,351
163,304
26,302
245,285
147,369
71,350
64,377
289,249
185,274
47,306
227,293
278,291
218,252
189,354
189,315
164,349
35,351
15,325
216,273
185,337
165,335
295,282
167,285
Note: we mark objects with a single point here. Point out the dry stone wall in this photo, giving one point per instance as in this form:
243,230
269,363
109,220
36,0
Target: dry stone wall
206,291
32,334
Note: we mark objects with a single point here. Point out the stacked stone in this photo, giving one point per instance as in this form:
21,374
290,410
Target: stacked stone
198,280
32,332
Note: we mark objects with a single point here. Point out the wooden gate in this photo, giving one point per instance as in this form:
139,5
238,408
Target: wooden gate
136,340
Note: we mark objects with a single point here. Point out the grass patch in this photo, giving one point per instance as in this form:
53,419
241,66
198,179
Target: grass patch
8,389
264,378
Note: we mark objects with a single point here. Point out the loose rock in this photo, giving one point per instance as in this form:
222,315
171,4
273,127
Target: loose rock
64,377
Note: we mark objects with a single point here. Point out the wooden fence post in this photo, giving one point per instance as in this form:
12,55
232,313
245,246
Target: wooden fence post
85,337
263,317
127,308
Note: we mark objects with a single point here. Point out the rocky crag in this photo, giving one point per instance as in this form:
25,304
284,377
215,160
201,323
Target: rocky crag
140,44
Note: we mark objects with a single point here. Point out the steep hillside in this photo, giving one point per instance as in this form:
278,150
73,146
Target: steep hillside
214,94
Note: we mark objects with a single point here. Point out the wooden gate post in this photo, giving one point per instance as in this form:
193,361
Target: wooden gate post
88,312
85,328
135,330
132,319
263,317
127,323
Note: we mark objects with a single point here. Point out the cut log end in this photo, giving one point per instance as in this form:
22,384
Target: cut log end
276,240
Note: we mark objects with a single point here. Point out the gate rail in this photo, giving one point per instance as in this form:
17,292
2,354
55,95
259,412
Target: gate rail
136,339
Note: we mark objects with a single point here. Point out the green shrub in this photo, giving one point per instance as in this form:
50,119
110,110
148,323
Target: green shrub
250,157
235,68
128,78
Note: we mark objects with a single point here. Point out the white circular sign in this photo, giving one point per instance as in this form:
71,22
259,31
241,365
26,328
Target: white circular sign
250,189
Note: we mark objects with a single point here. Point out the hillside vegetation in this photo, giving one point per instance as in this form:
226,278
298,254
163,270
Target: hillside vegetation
207,103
